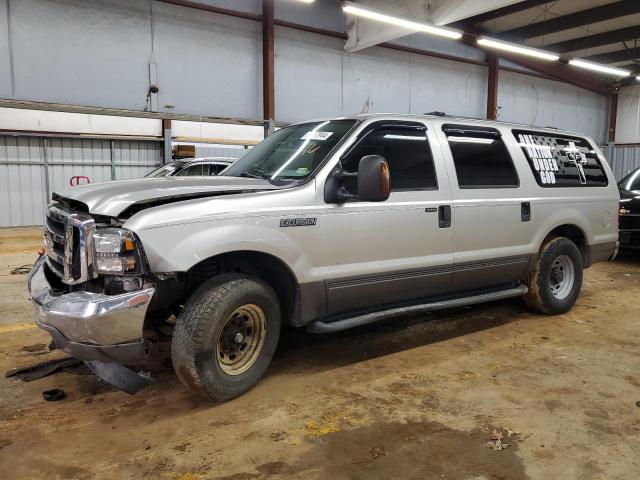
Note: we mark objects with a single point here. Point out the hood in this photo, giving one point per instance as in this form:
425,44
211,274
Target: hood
125,197
629,201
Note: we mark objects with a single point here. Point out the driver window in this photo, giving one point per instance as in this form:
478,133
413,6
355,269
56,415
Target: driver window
407,152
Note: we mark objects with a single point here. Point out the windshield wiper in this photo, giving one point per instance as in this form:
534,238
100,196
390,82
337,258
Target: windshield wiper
250,175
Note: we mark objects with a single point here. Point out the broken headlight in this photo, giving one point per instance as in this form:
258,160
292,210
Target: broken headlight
117,251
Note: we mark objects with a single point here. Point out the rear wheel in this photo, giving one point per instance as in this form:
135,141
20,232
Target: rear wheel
556,280
225,336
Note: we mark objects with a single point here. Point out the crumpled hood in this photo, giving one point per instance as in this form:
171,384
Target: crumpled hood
114,198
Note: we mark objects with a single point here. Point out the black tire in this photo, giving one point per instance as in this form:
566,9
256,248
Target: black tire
540,297
195,345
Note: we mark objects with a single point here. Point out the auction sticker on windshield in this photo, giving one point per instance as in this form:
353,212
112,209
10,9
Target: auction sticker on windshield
316,135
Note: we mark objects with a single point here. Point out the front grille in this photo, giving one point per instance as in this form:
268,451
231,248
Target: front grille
69,244
629,221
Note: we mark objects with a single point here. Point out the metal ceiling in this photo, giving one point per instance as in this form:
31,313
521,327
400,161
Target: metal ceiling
602,31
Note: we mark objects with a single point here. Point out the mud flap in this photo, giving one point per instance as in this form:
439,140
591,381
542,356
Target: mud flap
119,376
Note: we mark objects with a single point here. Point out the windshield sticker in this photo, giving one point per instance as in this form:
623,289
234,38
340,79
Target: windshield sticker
321,136
302,170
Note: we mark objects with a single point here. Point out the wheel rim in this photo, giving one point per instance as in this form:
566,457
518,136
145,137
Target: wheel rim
241,339
561,277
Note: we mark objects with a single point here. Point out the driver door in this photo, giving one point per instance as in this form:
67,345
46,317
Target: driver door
399,250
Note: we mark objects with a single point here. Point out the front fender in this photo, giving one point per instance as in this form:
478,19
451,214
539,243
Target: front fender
177,248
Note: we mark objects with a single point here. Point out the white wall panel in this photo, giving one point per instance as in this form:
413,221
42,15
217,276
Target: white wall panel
452,87
376,80
80,123
82,53
208,64
536,101
308,75
628,121
5,60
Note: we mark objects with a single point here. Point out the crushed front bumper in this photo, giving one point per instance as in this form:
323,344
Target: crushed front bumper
91,326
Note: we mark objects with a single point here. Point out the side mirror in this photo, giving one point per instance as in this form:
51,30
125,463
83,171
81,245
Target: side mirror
374,184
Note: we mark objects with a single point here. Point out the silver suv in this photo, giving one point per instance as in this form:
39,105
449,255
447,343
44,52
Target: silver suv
326,224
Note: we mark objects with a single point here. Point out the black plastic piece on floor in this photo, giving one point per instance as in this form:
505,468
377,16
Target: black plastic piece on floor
53,395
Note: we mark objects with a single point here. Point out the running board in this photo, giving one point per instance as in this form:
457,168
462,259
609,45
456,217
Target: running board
322,327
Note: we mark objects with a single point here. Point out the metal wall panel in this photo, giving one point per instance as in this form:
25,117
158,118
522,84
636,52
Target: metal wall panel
546,103
22,181
622,158
31,166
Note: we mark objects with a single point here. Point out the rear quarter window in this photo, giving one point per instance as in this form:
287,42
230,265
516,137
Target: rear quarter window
561,160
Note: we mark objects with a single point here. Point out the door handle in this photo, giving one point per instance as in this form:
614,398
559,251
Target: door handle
444,216
525,211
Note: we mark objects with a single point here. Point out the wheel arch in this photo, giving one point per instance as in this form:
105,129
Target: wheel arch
265,266
574,233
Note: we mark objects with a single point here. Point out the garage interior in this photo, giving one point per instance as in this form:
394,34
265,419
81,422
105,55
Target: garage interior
104,90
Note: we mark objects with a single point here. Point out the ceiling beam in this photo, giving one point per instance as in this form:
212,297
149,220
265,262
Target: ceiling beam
597,40
504,11
577,19
630,55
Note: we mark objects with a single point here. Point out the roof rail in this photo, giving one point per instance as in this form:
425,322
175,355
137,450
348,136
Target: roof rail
436,113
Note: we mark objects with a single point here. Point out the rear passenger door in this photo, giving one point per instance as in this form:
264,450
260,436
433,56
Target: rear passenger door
397,250
492,209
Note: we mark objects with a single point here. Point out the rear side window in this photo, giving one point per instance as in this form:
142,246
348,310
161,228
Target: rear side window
480,157
561,160
405,148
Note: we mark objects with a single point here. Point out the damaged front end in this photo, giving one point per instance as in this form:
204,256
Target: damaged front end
92,294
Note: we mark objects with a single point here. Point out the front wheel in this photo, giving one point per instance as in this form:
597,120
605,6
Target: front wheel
225,336
556,280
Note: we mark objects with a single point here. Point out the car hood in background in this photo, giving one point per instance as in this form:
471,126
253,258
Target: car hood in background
125,197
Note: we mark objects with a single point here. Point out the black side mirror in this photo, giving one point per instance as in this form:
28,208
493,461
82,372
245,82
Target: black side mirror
374,184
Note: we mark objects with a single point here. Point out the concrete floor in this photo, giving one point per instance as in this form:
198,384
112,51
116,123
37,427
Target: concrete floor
413,398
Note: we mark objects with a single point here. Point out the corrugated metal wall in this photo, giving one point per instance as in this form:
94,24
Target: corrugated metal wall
622,158
32,167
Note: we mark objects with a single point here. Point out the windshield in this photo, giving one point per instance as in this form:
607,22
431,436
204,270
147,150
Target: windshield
164,170
631,181
291,153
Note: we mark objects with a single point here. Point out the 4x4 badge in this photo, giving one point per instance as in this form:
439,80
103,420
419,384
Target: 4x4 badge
298,222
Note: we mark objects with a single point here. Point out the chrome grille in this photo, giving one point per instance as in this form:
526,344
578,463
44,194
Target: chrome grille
68,238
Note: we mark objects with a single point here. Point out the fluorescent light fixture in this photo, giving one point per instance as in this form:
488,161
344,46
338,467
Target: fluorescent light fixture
306,1
513,48
596,67
401,22
485,141
404,137
638,77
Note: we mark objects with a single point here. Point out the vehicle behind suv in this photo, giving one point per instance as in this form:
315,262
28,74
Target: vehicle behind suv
327,225
193,167
629,214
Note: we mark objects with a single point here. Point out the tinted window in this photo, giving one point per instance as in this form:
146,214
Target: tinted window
480,157
560,160
191,171
405,149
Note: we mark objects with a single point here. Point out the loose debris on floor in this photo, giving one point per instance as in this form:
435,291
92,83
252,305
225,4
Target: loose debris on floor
497,439
40,370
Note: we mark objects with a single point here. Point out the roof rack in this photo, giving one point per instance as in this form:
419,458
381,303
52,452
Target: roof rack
437,113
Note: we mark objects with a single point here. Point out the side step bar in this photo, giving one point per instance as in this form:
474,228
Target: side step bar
322,327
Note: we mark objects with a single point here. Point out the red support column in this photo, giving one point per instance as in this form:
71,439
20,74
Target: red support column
268,67
613,114
492,86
